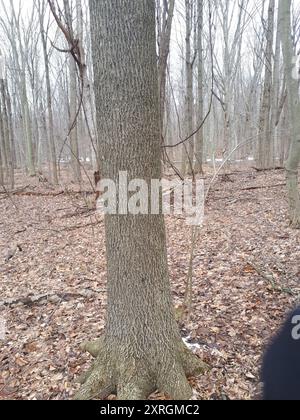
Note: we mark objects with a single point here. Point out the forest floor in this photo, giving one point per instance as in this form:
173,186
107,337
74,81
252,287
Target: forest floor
53,284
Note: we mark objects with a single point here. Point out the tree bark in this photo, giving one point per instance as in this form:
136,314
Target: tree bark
7,134
164,50
142,349
292,163
275,98
188,157
50,132
266,160
11,125
74,146
3,158
200,116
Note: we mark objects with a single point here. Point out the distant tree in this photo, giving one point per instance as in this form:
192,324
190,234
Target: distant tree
189,150
50,132
266,142
165,20
6,131
200,80
73,102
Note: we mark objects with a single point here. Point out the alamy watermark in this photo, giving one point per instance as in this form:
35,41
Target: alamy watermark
296,329
139,197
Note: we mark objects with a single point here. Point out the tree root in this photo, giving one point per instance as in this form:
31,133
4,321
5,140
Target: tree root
193,366
93,347
135,378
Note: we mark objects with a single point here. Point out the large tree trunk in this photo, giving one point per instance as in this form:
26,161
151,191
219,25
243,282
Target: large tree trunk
292,163
142,349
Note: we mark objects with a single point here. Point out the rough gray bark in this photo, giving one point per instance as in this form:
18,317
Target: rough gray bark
7,134
3,158
293,161
200,113
265,155
142,349
188,157
1,163
50,131
164,50
74,147
275,96
11,125
27,127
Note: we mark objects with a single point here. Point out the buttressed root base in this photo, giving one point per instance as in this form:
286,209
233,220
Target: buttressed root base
134,379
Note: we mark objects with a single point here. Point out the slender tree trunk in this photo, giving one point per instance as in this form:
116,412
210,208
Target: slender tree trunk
189,98
266,160
200,116
3,157
164,50
19,57
142,349
50,131
275,97
44,138
11,125
74,146
292,163
1,164
27,128
228,95
7,136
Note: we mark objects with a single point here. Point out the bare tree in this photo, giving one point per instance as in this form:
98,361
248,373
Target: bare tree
200,113
165,20
19,42
41,4
6,127
266,149
142,349
189,151
73,100
293,160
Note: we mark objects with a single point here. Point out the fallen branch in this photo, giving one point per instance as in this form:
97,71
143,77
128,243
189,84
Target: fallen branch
22,193
7,192
252,188
71,228
260,187
277,168
46,298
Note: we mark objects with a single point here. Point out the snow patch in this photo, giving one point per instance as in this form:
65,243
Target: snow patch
194,347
